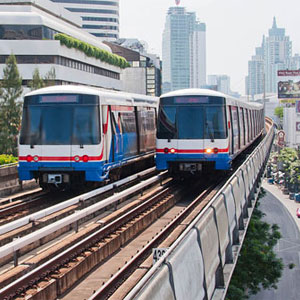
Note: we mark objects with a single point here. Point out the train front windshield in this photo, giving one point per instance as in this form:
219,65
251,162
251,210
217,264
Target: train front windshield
62,119
192,117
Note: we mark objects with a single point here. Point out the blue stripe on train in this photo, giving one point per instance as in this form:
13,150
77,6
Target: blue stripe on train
93,170
222,160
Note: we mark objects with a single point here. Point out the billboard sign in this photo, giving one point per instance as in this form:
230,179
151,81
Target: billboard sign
297,126
288,85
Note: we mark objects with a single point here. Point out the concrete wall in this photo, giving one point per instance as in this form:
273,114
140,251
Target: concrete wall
200,263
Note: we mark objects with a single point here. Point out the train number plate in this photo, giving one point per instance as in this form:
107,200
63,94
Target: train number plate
190,167
157,253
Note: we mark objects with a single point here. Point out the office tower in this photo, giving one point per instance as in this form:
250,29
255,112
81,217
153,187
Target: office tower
256,73
274,54
198,56
183,46
278,51
100,18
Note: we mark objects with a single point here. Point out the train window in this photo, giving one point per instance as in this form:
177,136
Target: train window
42,125
86,125
128,122
191,122
166,127
235,128
242,126
251,124
246,126
215,123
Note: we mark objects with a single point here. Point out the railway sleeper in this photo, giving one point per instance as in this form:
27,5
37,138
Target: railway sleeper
68,276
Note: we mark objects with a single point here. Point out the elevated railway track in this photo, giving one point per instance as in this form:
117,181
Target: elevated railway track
108,254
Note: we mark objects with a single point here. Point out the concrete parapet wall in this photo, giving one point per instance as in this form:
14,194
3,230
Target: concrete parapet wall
200,263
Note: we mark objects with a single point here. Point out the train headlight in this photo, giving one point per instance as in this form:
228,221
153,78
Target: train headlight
29,158
172,150
208,151
216,150
166,150
77,158
36,158
85,158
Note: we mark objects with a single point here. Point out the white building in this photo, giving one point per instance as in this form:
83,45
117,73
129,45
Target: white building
27,29
100,18
291,126
198,56
222,83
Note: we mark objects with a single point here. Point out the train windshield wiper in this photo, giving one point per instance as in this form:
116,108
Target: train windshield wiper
210,131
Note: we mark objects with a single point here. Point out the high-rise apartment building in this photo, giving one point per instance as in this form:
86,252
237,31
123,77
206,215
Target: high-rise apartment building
256,73
274,54
198,56
100,18
183,50
278,52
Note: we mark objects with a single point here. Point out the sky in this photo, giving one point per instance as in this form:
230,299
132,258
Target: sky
233,29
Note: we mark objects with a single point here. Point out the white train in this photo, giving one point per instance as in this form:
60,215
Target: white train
199,130
72,135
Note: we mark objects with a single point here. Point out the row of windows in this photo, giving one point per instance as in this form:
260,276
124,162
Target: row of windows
100,19
88,2
26,32
100,27
104,35
59,60
91,10
246,125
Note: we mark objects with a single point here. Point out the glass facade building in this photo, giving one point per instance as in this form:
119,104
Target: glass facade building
99,17
274,54
183,47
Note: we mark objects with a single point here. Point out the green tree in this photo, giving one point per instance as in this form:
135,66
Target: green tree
258,265
10,108
37,81
50,77
279,112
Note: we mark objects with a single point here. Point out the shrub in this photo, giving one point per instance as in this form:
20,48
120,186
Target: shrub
92,51
7,159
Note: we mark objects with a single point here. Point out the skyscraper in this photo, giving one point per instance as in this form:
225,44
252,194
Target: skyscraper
198,56
256,72
278,52
183,50
274,54
100,18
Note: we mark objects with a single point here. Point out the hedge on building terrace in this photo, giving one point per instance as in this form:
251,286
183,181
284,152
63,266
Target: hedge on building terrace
92,51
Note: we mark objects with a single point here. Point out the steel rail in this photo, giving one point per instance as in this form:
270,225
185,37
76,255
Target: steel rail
81,198
124,272
53,264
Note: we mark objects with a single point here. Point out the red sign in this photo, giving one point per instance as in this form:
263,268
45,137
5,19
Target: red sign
177,2
288,73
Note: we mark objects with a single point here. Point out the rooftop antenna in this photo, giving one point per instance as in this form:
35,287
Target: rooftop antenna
177,2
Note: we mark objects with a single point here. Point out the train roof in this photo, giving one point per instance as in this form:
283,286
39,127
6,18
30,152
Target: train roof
206,92
107,96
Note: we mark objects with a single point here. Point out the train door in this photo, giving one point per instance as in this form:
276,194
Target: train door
234,129
117,148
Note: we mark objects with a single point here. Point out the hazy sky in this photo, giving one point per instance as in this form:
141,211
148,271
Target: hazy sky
233,28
